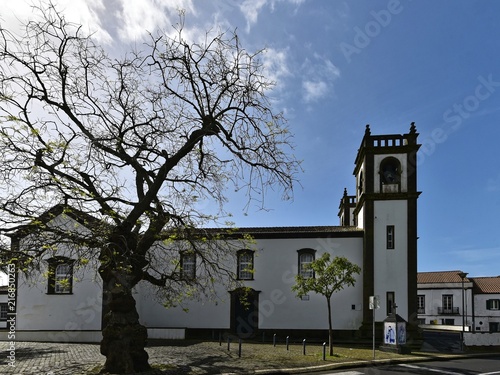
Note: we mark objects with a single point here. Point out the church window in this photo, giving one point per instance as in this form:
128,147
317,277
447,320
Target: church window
306,257
60,279
245,265
188,265
390,171
391,302
390,236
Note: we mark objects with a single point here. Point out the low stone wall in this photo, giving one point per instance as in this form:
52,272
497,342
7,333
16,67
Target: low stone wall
53,336
482,339
85,336
167,333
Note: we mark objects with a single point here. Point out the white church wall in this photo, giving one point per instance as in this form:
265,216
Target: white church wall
80,310
206,313
275,264
361,215
390,264
72,312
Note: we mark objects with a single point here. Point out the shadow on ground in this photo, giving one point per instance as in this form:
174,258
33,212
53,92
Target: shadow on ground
28,353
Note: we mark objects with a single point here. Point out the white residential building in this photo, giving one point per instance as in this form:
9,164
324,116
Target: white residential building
486,306
444,298
459,302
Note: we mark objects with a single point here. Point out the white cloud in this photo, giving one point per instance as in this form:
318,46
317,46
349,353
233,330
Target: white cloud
314,90
252,8
137,18
318,77
275,65
83,12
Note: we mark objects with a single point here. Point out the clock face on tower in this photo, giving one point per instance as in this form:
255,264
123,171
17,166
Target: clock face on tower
390,171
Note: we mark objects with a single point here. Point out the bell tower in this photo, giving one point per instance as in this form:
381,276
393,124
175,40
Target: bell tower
386,208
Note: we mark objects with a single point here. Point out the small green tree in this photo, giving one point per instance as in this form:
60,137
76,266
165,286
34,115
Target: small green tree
330,276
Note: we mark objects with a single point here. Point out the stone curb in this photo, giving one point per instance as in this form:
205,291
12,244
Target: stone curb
373,363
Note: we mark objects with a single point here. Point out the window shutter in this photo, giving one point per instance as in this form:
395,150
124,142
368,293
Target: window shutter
488,304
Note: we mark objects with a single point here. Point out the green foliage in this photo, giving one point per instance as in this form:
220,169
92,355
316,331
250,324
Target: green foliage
244,297
330,276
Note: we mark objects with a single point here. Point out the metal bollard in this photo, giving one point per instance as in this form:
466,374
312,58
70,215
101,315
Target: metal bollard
220,338
228,343
274,340
287,342
239,349
304,347
324,351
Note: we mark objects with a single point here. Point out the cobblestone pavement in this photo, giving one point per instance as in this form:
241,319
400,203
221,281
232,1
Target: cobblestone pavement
174,358
48,358
186,357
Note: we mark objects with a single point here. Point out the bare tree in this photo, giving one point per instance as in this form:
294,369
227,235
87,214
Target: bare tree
131,145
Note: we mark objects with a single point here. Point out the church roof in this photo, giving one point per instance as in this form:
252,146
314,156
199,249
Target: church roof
440,277
293,232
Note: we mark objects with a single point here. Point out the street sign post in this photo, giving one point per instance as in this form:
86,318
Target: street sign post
374,303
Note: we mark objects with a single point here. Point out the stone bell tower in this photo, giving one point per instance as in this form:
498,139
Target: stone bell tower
386,209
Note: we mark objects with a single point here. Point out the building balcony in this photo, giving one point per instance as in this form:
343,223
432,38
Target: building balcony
448,311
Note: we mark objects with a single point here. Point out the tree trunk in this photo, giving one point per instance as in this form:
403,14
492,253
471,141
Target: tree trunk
123,337
330,329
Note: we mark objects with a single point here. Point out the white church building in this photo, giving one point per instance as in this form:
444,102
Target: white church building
377,231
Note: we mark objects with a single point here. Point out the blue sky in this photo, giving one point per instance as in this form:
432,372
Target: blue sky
340,65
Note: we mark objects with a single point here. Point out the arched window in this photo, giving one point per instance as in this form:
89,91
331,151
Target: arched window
245,269
390,171
188,265
306,257
60,276
361,182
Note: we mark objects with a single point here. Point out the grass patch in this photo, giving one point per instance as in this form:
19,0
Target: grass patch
94,370
267,356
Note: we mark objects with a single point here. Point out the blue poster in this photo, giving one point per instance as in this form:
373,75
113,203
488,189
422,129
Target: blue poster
390,333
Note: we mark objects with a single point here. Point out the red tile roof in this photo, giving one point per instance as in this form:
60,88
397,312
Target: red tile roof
440,277
485,285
